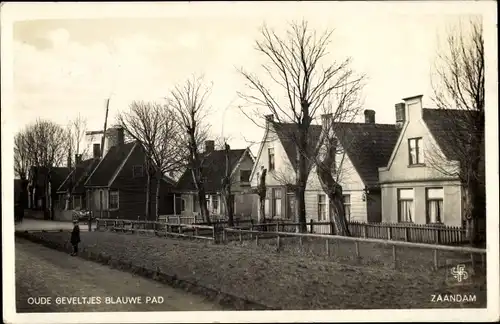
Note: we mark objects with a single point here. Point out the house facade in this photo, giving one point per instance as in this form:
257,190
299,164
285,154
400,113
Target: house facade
413,189
361,147
214,168
117,186
71,193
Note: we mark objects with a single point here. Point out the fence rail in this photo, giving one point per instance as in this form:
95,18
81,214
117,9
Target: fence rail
416,233
204,232
241,235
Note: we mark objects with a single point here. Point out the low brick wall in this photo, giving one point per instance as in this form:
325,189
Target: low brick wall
63,215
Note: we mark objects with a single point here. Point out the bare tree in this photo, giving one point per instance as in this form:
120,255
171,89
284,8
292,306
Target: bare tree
295,65
189,103
47,144
21,155
458,84
155,127
77,129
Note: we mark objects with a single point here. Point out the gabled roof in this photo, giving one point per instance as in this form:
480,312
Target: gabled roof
214,167
287,134
447,126
75,180
109,165
369,146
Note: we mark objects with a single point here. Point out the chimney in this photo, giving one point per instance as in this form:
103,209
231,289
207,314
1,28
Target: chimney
78,159
97,150
269,119
120,135
370,116
209,146
400,114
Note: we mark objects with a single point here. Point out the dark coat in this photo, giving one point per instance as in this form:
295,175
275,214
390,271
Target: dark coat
75,235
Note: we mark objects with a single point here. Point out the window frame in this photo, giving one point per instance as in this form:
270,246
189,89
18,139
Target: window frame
323,203
277,202
134,173
110,194
419,155
348,217
399,200
427,209
241,176
271,161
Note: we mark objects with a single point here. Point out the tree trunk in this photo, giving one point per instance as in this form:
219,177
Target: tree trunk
157,202
337,214
333,189
202,201
301,208
148,194
473,212
230,209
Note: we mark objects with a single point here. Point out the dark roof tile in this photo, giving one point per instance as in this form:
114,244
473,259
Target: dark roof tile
214,166
110,163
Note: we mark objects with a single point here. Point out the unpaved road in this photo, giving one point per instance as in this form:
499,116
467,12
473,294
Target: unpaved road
43,272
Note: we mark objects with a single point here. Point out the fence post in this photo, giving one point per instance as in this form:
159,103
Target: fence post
394,256
312,224
389,232
327,247
407,234
180,229
332,228
257,239
196,231
438,238
473,262
436,261
278,243
365,234
300,241
277,225
241,238
224,235
179,219
356,243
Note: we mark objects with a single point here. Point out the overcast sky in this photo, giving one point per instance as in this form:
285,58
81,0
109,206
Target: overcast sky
65,67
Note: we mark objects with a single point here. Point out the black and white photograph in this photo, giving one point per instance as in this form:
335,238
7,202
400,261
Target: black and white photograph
298,161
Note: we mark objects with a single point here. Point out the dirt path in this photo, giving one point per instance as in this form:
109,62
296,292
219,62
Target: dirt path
43,272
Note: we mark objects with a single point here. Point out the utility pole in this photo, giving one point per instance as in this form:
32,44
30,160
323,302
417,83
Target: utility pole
105,125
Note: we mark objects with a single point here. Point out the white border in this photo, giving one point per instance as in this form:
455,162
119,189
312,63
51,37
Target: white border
11,12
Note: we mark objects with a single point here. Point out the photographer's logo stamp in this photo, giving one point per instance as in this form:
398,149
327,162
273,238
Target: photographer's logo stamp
459,273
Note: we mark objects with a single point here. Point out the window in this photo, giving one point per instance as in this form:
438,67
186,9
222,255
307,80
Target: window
137,171
270,152
434,205
114,200
215,204
277,202
416,152
405,205
245,175
322,207
183,205
347,206
266,203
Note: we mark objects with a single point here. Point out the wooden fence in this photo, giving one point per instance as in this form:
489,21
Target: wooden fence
279,236
429,233
159,228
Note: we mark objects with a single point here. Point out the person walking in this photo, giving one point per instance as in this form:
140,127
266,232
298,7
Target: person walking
75,237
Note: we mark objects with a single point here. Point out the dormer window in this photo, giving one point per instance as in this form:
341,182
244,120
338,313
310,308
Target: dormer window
415,151
137,171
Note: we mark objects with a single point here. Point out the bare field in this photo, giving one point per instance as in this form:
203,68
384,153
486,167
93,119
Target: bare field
283,280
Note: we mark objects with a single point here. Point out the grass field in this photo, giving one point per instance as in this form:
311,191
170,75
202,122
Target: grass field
282,280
